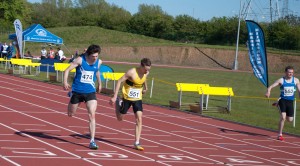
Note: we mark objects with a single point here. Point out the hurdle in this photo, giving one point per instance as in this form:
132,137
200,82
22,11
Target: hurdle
24,63
216,91
187,87
61,67
111,76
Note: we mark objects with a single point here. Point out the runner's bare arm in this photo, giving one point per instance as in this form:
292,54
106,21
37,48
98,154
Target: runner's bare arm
126,76
73,65
276,83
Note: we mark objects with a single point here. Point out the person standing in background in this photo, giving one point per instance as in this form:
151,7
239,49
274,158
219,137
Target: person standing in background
43,53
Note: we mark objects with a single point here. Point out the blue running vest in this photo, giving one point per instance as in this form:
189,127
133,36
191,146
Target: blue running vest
287,90
85,77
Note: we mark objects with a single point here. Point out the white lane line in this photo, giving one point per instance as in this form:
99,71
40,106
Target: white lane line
39,140
23,148
81,127
189,132
123,139
259,151
6,96
88,150
221,133
226,156
148,146
259,140
190,162
6,134
175,124
164,153
69,129
292,147
43,130
134,129
176,141
234,144
99,132
156,135
284,159
14,163
40,157
206,137
26,124
13,141
200,148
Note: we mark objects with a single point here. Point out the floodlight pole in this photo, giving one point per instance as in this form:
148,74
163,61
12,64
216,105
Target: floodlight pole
235,65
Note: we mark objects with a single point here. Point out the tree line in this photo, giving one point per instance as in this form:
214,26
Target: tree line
150,20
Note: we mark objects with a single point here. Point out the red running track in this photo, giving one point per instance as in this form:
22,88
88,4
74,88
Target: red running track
35,130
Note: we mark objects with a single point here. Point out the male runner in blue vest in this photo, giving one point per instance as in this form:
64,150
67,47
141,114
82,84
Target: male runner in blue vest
84,87
288,85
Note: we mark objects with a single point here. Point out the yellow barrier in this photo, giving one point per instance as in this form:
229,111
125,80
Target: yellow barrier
111,76
62,67
218,91
188,87
25,63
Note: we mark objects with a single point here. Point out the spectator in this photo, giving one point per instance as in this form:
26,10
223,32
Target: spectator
10,51
51,53
43,53
60,53
4,50
28,54
1,48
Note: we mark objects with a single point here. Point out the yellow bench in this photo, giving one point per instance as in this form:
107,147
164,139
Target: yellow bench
186,87
216,91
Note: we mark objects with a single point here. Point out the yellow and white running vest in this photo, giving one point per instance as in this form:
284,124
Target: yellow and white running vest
132,90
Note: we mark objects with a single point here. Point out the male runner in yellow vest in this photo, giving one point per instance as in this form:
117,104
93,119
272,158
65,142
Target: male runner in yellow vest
134,85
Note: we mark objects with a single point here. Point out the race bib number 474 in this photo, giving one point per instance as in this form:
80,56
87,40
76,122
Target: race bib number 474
87,77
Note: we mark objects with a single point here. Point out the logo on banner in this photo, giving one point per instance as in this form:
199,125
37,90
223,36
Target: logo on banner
41,32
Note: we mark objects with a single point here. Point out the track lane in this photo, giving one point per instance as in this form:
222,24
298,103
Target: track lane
157,118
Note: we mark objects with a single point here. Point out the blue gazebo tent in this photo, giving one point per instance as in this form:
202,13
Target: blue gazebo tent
37,33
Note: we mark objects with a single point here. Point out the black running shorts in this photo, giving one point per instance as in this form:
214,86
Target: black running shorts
136,106
82,97
287,107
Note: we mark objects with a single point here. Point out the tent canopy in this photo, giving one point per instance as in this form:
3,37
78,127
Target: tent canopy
37,33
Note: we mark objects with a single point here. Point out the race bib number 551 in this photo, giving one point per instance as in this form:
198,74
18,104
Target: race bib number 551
134,93
289,91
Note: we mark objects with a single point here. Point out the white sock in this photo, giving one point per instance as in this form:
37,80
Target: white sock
92,140
137,143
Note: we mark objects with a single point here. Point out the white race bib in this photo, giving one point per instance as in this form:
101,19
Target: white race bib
134,93
288,91
87,77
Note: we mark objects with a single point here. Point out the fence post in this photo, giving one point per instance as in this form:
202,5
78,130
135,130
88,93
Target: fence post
152,84
294,122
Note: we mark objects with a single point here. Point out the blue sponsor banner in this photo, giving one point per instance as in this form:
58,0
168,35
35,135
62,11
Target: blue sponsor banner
257,51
